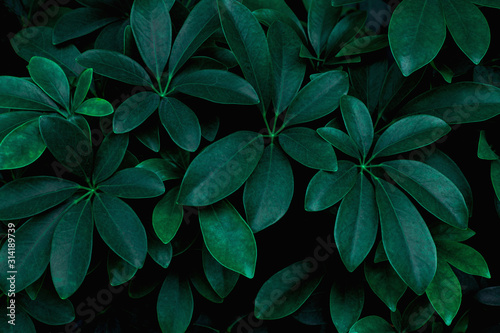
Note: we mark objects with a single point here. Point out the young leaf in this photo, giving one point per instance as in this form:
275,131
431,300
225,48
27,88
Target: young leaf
95,107
285,292
229,163
269,189
48,308
120,228
175,304
221,279
410,133
307,147
463,257
385,283
167,216
51,79
82,87
358,122
318,98
134,183
321,19
71,249
152,29
134,111
339,140
17,93
407,241
433,190
417,31
346,303
109,156
228,238
371,324
25,197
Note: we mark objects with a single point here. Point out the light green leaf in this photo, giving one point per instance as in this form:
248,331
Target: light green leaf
17,93
134,183
371,324
358,122
134,111
228,238
339,140
95,107
82,88
109,156
175,304
321,19
385,283
167,216
221,279
48,308
463,257
346,303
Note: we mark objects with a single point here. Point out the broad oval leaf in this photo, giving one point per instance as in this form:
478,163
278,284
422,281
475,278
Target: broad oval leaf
120,228
463,257
25,197
321,19
228,238
385,283
269,189
372,324
17,93
175,304
346,303
95,107
133,183
406,238
134,111
358,122
285,292
48,308
229,163
167,216
221,279
433,190
109,156
339,140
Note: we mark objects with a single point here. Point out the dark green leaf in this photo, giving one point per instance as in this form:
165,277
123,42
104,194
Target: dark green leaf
165,169
495,177
416,33
362,45
346,303
201,284
167,216
268,17
443,231
356,224
134,111
116,36
385,283
17,93
134,183
48,308
120,228
161,253
344,2
489,296
285,292
318,98
82,87
433,190
321,19
417,314
228,238
95,107
269,189
175,304
9,121
484,150
358,122
149,134
367,84
109,156
463,323
221,279
487,3
371,324
344,31
463,257
23,323
229,163
339,140
119,271
307,147
407,241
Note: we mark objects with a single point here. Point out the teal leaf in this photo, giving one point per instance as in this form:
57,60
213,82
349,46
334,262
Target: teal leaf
161,253
406,238
82,87
51,79
136,183
48,308
229,238
120,228
285,292
410,133
201,284
229,162
367,84
344,31
23,323
443,231
165,169
9,121
109,156
463,257
362,45
347,299
417,31
149,134
385,283
486,3
321,20
167,216
484,150
71,249
175,304
95,107
495,177
269,189
318,98
221,279
372,324
116,66
358,122
134,111
356,224
17,93
339,140
417,314
344,2
25,197
306,147
433,190
152,29
119,270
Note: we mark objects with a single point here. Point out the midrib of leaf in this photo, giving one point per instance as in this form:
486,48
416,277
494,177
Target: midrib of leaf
74,236
49,193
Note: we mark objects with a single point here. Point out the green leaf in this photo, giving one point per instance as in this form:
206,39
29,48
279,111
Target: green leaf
489,296
135,183
71,249
305,146
9,121
358,122
444,231
371,324
120,228
356,224
228,238
119,271
22,146
445,292
167,216
221,279
165,169
285,292
175,304
344,2
367,84
417,31
82,87
48,308
109,156
202,22
463,323
152,29
116,66
181,123
68,144
362,45
318,98
339,140
23,323
25,197
161,253
486,3
80,22
51,79
410,133
269,189
495,177
463,257
201,284
385,283
468,27
433,190
463,102
484,150
248,42
406,238
17,93
95,107
134,111
346,303
348,27
417,314
321,19
229,162
288,68
33,240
